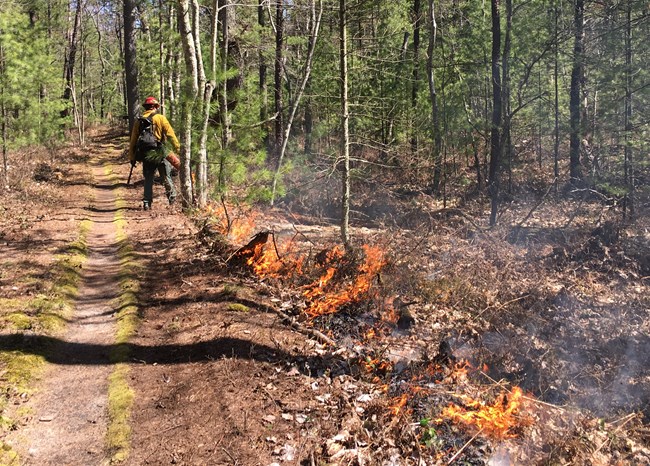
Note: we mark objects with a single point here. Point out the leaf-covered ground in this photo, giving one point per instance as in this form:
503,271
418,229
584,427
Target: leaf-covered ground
423,366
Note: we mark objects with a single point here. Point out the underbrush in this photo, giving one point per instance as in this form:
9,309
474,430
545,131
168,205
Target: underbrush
524,303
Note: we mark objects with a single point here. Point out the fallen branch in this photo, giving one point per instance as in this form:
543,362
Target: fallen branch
320,336
524,397
627,419
453,458
500,306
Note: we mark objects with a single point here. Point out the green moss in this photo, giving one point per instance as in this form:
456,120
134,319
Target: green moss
19,321
230,291
45,313
21,369
236,307
8,457
120,400
120,394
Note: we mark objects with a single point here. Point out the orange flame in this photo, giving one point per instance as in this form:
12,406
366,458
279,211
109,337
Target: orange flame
241,228
398,404
496,420
323,302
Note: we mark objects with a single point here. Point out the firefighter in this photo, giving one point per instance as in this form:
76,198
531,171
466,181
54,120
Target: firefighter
154,158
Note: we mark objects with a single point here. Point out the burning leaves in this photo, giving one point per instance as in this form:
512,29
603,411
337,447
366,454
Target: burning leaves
498,420
324,297
344,278
344,284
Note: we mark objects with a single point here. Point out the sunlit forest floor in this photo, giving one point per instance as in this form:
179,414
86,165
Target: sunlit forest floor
435,339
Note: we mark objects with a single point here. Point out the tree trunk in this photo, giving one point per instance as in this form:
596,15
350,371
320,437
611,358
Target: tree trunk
130,63
496,145
161,53
415,87
308,120
224,114
575,139
278,129
4,116
202,187
556,90
433,96
70,60
628,157
191,90
263,70
313,37
345,122
506,139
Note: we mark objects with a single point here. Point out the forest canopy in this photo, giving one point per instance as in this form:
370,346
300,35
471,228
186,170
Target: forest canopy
445,97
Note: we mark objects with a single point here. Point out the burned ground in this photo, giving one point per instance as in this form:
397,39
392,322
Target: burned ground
229,367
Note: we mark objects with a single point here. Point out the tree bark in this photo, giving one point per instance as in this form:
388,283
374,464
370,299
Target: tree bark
191,90
556,91
263,70
496,145
628,155
345,122
226,131
130,63
575,139
202,186
278,129
433,96
415,87
506,140
4,116
71,59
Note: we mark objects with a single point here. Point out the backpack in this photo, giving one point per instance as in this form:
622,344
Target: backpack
146,139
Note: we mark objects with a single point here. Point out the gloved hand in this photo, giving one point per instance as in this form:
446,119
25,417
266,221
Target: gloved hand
133,163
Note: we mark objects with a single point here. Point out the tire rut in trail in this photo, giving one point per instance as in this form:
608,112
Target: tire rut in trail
68,413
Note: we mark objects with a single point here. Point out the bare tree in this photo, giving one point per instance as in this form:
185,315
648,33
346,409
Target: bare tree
496,143
191,90
575,139
130,63
345,125
315,21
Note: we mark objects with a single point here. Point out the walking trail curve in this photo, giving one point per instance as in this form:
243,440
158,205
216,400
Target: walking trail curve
69,410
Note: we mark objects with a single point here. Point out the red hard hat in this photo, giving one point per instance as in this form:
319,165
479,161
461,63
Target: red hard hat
151,101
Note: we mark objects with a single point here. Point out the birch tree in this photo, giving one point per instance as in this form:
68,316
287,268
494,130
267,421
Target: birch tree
190,93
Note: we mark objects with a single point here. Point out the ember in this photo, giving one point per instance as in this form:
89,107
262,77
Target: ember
497,420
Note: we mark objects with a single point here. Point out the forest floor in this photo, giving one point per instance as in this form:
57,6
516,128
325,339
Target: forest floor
436,341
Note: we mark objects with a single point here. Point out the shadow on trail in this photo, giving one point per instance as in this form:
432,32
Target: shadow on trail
57,351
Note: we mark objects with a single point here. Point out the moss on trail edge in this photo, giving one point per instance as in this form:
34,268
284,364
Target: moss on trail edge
21,369
120,394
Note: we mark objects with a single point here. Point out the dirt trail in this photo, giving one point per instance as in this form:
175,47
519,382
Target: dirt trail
69,411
